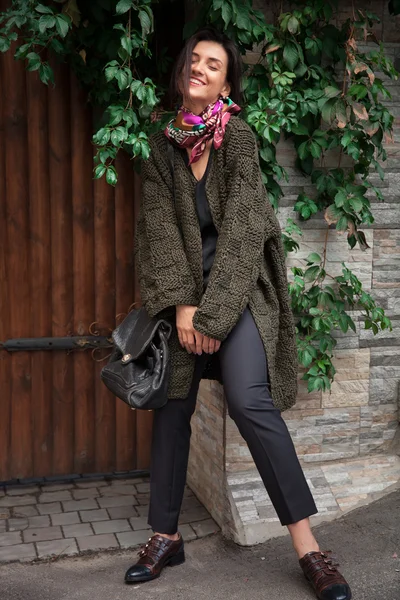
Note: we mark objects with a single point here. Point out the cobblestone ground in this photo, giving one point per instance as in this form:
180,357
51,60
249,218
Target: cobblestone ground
48,519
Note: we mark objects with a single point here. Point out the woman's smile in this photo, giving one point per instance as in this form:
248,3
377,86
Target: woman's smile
196,81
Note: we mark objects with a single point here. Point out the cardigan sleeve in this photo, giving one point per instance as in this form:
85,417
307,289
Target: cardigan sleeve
165,277
248,221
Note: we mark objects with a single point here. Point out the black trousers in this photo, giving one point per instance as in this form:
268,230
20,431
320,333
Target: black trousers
246,386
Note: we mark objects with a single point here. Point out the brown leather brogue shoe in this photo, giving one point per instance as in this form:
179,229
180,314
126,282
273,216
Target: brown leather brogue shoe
322,573
158,553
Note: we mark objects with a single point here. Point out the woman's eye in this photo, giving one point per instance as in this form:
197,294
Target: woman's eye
213,69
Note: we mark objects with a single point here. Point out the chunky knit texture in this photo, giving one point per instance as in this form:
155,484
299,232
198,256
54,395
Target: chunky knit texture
249,265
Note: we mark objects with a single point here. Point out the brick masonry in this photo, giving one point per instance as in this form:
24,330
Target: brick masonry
73,527
358,420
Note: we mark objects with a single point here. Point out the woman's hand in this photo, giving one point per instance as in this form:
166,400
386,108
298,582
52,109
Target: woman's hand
194,341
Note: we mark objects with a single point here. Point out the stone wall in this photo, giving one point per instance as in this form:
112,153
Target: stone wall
359,417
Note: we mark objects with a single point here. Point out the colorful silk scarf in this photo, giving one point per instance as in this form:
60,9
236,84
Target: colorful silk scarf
188,130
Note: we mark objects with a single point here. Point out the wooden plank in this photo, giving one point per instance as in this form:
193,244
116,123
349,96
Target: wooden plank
83,267
17,207
61,267
104,246
5,359
124,225
40,258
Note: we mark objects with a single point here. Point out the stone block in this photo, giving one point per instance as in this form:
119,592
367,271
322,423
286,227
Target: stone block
86,493
41,534
91,484
111,526
203,528
24,511
10,538
124,512
187,532
20,552
78,505
112,501
11,501
77,530
17,524
48,497
21,490
89,516
97,542
49,509
139,523
70,518
130,539
64,547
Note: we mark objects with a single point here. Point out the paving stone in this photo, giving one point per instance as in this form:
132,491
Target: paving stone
124,490
57,548
143,499
98,542
106,502
70,518
10,538
139,523
57,487
203,528
18,524
143,488
10,501
142,511
55,496
3,525
72,505
86,493
20,552
93,515
77,530
4,513
42,535
194,514
187,532
50,509
41,521
91,484
128,481
113,526
134,538
122,512
20,490
25,511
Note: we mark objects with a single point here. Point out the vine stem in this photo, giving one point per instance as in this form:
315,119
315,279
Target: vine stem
325,246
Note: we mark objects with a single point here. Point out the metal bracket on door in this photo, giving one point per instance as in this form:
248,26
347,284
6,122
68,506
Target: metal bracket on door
77,342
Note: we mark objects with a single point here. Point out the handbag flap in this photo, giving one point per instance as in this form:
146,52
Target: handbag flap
137,331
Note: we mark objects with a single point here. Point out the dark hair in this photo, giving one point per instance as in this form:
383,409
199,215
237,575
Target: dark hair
184,63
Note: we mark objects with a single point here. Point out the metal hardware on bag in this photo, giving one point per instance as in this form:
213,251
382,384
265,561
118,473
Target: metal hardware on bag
133,408
126,357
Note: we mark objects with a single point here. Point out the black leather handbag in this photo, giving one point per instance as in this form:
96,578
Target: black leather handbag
138,368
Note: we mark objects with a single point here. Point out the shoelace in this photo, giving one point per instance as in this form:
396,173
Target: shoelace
151,549
328,560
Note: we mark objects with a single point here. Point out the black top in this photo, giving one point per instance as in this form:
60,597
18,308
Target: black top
209,234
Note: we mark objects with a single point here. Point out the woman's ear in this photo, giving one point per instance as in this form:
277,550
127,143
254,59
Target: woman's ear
226,90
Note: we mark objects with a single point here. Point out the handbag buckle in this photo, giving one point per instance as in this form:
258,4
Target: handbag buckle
126,358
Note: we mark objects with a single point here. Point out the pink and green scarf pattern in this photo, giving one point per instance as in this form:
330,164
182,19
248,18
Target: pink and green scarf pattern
188,130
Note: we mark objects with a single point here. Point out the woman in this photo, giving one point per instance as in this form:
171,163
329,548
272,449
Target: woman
209,254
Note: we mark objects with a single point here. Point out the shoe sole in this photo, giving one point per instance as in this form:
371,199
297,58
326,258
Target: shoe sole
174,561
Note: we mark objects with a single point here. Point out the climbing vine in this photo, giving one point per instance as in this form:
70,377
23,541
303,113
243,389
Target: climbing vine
312,82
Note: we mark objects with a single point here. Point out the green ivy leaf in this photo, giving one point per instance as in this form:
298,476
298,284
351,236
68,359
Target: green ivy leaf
145,22
99,171
331,92
111,176
62,25
293,25
226,12
311,273
34,61
123,6
314,258
46,73
46,10
46,22
290,55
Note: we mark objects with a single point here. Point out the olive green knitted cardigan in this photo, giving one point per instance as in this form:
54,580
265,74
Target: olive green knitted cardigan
249,265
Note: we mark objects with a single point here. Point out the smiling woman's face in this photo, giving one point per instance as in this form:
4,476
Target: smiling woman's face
208,75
